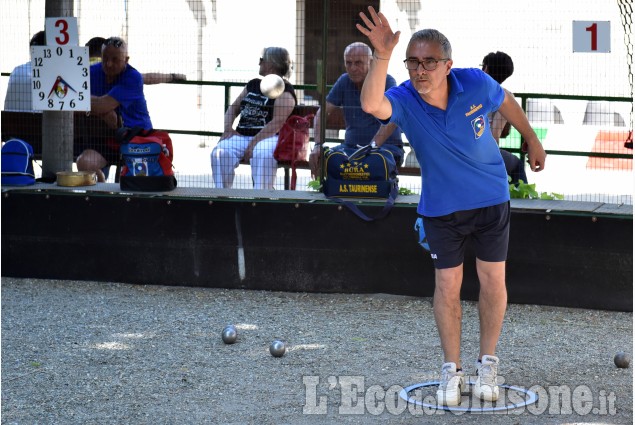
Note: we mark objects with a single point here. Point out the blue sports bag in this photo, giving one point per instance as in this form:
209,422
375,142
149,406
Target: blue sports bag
17,163
370,172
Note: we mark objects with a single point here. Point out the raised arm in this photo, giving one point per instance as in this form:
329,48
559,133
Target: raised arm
512,112
383,40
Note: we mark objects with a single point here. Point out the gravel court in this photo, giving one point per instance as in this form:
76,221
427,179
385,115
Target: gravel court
104,353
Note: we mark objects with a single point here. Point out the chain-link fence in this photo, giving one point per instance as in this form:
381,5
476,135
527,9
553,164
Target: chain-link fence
578,101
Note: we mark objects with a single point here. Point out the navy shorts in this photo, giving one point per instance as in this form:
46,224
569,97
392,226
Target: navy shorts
487,228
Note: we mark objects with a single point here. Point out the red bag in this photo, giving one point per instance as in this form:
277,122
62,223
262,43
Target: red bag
293,143
147,159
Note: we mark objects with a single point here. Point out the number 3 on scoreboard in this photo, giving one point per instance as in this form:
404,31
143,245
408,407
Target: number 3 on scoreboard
61,31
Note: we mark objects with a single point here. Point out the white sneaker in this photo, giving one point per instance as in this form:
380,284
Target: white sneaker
485,386
451,386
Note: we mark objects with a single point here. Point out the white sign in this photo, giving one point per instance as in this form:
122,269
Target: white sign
61,31
60,78
592,36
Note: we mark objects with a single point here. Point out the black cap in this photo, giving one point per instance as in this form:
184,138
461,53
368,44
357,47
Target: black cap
39,39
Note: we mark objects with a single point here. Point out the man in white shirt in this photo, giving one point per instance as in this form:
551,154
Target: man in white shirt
18,96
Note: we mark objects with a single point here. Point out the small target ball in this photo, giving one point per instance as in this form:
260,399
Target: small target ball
229,334
272,86
622,360
277,348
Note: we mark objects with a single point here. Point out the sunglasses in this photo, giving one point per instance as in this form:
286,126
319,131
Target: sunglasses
114,41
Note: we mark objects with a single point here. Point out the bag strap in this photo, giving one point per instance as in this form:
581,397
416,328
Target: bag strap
390,202
125,134
362,152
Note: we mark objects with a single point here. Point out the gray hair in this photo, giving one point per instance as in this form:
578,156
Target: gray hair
434,36
279,57
358,45
116,42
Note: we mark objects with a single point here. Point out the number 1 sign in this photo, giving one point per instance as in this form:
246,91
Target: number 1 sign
592,36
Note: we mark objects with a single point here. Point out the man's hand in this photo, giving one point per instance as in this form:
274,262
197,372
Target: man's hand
111,119
314,161
536,155
379,33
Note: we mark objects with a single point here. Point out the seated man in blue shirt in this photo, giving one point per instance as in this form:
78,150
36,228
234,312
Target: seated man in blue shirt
117,98
361,128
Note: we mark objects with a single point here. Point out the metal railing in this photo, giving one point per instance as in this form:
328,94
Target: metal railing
523,96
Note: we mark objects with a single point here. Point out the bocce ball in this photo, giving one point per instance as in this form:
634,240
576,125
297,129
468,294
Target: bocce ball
622,360
272,86
229,334
277,348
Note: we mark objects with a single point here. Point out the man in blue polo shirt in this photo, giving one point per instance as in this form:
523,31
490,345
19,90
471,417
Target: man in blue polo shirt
117,98
465,195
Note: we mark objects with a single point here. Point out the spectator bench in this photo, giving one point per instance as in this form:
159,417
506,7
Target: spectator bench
28,127
335,121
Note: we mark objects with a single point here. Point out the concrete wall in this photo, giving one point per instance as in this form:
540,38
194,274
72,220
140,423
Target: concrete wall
562,259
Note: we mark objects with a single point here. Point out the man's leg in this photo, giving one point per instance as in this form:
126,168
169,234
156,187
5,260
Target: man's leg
447,314
492,303
447,311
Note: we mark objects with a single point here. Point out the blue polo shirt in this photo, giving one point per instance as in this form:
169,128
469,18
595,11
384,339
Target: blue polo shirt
461,166
127,90
361,127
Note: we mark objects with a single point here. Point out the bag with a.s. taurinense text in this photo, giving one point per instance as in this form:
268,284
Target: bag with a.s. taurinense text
370,172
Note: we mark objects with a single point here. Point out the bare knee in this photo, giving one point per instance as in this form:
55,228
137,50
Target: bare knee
491,274
448,282
91,160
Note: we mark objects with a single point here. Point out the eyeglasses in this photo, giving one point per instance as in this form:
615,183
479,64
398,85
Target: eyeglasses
113,41
428,64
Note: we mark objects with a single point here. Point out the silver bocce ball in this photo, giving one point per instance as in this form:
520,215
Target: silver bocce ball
277,348
272,86
622,360
229,334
